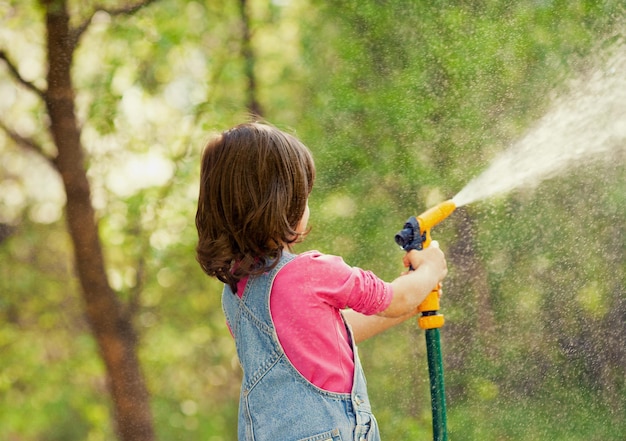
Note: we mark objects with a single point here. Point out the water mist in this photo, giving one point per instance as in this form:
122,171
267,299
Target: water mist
589,124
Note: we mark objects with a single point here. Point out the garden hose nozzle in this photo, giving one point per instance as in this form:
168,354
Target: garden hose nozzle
416,236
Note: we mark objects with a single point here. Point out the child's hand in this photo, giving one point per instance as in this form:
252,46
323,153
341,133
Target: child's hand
410,289
432,256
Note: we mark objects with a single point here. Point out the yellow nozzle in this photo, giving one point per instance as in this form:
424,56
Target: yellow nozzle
433,216
426,221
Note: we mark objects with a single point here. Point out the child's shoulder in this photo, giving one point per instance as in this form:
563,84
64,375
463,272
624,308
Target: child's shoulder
315,266
318,258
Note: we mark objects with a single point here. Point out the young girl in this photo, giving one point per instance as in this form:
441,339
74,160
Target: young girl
295,319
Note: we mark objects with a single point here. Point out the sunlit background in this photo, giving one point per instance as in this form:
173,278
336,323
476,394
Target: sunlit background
403,103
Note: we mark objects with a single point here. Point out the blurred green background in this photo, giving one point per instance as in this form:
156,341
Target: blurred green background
402,104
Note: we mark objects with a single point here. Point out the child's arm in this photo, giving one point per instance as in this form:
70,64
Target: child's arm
409,290
366,326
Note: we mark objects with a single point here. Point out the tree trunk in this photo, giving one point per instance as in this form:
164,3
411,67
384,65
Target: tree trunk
110,324
253,105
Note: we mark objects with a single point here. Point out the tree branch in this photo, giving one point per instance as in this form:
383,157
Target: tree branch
15,74
28,144
134,302
123,10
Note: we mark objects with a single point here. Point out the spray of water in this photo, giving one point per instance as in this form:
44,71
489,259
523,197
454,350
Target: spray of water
587,125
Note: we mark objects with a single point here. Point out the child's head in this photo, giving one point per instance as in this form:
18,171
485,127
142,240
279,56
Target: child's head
254,186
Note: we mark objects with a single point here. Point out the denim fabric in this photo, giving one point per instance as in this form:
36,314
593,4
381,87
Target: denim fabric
276,402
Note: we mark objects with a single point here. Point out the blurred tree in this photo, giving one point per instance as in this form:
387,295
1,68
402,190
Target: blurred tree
110,321
247,54
144,86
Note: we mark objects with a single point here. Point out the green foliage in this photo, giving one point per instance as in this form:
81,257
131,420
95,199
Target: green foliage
561,414
411,101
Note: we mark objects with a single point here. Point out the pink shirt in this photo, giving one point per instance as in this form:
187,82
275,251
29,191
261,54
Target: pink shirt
305,303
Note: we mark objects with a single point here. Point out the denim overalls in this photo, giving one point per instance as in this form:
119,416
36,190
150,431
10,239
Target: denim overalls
277,403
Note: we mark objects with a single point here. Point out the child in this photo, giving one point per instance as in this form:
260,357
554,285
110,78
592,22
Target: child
295,319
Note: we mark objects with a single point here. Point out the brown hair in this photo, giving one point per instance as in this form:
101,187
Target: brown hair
254,184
